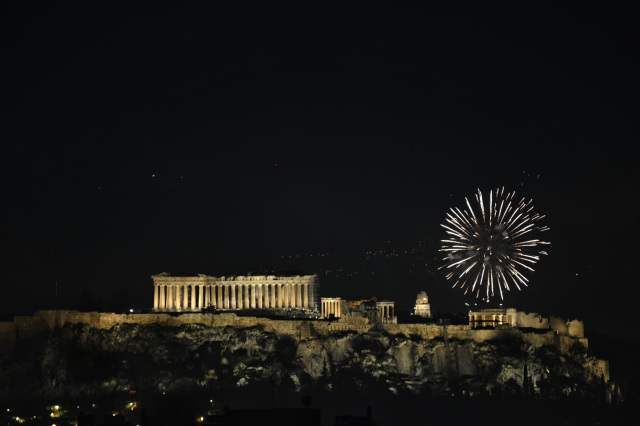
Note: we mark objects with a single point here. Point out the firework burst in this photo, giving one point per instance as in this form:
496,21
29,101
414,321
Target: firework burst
492,246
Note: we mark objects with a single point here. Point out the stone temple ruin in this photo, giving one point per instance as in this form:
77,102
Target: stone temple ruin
378,312
510,317
184,294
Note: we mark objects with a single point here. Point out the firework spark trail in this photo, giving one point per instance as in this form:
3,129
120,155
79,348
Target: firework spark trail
490,249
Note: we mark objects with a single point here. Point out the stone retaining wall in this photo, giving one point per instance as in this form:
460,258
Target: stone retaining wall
46,321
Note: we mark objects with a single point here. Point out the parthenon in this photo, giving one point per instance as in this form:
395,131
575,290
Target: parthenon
235,293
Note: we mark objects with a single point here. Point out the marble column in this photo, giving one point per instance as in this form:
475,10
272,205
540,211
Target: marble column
193,297
239,298
285,295
219,299
294,287
305,296
232,287
155,297
272,295
259,295
205,295
247,288
267,296
253,296
169,297
161,294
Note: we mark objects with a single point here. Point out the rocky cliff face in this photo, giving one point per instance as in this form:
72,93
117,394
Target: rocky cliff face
79,360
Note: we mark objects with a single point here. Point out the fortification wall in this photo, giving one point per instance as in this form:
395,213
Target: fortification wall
45,321
531,320
573,328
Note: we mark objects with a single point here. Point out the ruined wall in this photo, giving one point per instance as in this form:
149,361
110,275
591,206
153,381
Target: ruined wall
573,328
531,320
44,321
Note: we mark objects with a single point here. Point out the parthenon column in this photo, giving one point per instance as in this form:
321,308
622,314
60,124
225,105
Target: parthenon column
232,287
219,299
246,289
259,295
285,295
169,300
298,295
272,295
267,298
193,296
284,287
292,295
161,289
155,297
254,296
305,298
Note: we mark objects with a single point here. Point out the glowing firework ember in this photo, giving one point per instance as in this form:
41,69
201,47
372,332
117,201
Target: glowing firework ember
494,245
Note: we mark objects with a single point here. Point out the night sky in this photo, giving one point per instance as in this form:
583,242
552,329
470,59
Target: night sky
235,138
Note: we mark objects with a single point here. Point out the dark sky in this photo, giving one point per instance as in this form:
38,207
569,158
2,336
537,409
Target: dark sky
224,138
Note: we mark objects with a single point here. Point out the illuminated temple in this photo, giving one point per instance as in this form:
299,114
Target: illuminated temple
261,292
